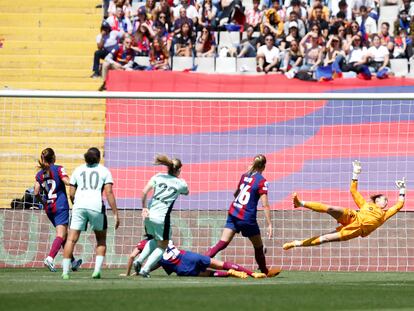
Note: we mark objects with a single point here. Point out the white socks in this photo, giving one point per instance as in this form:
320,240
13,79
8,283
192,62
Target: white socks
66,265
98,263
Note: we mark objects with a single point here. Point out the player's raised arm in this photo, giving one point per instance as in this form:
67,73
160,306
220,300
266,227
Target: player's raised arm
358,198
401,199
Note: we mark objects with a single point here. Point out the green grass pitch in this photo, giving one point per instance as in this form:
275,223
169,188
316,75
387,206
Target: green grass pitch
39,289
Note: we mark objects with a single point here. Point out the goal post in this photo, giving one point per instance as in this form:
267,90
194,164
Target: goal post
309,140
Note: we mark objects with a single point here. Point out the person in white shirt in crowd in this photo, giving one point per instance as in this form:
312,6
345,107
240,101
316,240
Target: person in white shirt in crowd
119,22
190,9
378,55
293,18
366,21
268,56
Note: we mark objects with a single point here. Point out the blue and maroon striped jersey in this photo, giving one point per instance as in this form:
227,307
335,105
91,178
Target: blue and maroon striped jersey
52,184
251,187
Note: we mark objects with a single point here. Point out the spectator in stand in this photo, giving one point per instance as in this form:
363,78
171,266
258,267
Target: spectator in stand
378,56
181,20
324,11
207,13
184,41
105,41
341,33
369,6
248,46
149,8
367,25
404,22
293,35
296,6
333,50
141,39
120,58
317,19
311,51
293,17
274,22
119,22
400,49
355,59
268,56
341,6
206,44
164,35
191,11
162,19
353,30
164,7
408,6
292,59
159,56
254,15
142,20
384,34
281,11
124,4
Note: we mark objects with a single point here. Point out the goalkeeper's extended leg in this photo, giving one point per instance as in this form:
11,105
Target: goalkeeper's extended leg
314,206
314,241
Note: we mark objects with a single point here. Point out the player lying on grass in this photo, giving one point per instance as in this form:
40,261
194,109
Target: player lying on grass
370,216
186,263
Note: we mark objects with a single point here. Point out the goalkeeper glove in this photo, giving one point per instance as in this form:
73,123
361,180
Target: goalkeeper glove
401,185
356,169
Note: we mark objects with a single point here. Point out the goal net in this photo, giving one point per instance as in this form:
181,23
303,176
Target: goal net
309,140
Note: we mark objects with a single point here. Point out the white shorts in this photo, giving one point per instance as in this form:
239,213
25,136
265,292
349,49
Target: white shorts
158,229
82,216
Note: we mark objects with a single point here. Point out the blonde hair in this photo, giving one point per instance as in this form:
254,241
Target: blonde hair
258,164
174,165
47,158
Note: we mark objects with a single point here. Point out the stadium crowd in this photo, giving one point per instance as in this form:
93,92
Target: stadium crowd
301,38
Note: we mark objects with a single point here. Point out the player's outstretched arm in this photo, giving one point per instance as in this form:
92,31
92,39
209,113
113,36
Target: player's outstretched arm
356,170
401,199
112,203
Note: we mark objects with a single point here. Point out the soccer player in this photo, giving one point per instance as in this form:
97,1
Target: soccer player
51,180
242,214
361,223
167,188
186,263
86,186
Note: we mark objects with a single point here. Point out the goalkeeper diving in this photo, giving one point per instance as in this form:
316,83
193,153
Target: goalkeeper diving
361,223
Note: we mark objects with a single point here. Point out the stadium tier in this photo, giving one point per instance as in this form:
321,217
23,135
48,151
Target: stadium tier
309,140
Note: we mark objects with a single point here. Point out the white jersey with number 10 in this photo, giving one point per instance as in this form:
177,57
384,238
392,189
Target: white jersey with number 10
89,181
167,188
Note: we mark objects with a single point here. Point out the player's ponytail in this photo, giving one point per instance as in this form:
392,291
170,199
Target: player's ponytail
47,158
92,156
174,165
258,165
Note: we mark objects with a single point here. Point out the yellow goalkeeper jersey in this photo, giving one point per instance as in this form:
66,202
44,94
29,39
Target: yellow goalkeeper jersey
371,216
